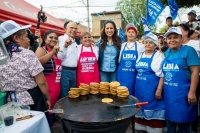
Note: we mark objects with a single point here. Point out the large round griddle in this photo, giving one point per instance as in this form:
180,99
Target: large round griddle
90,109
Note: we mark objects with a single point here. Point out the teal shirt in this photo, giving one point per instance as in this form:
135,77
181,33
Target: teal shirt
189,58
109,59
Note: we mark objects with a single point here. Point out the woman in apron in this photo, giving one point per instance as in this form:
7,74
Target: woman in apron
87,69
181,69
47,55
190,38
129,53
148,88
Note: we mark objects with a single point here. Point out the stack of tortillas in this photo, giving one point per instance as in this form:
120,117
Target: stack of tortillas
85,89
74,92
94,88
122,91
104,87
113,87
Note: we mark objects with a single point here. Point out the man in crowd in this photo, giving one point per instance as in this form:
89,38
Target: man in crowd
191,18
69,58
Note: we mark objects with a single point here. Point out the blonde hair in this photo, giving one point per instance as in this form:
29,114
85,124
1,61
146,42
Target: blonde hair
84,33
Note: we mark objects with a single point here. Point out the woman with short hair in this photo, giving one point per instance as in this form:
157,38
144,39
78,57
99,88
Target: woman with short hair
181,72
148,88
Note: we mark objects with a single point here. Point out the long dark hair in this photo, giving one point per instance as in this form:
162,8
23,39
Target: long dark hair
45,36
115,37
185,27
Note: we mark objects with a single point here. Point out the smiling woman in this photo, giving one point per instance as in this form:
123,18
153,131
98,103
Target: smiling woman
47,55
181,70
87,68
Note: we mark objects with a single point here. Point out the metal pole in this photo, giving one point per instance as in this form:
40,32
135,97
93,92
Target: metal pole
88,16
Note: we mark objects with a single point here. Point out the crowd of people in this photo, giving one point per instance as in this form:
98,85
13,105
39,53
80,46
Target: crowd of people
163,69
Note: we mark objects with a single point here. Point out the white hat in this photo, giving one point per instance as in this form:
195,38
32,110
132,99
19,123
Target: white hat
192,11
9,27
173,30
151,37
130,25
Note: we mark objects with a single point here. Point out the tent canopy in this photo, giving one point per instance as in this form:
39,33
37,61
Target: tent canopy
24,13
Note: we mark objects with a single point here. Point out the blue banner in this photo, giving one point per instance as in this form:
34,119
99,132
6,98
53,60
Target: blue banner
122,35
145,26
153,10
173,6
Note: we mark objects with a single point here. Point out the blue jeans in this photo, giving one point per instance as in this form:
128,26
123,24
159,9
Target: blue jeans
107,76
182,127
67,81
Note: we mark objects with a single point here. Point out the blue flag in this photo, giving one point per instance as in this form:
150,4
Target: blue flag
173,6
122,35
153,10
145,26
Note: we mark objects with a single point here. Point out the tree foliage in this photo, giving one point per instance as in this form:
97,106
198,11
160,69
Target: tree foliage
132,11
164,28
184,3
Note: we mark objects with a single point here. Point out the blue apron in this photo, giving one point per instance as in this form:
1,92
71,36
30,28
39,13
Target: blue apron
146,84
126,71
176,89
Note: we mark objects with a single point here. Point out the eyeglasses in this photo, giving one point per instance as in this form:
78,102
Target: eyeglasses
73,28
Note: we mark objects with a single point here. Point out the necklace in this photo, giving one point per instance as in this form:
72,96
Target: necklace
129,47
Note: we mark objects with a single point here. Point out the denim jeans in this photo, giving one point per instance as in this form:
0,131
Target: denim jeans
107,76
67,81
182,127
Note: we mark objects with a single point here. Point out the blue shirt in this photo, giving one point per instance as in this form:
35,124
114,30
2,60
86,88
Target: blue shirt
189,58
109,58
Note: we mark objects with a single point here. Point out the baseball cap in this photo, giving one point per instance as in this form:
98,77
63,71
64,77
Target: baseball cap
173,30
9,27
151,37
130,25
160,36
192,11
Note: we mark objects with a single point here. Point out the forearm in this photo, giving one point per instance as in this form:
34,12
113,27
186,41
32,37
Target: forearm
41,82
44,59
194,81
160,84
44,88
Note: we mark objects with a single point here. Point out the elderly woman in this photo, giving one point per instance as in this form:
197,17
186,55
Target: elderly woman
149,86
181,70
87,68
47,55
22,76
129,53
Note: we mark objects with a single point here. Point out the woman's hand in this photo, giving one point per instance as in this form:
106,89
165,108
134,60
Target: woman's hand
48,104
158,94
37,33
192,98
56,49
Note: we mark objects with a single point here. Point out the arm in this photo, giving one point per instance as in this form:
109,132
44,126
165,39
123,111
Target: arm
41,82
159,89
37,33
193,85
42,56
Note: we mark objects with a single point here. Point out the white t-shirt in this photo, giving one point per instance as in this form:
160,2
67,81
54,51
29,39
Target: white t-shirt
195,44
156,64
88,49
131,46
